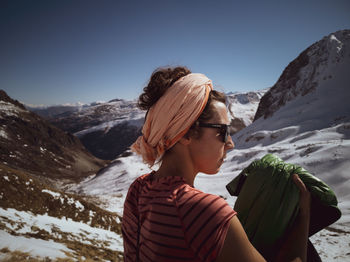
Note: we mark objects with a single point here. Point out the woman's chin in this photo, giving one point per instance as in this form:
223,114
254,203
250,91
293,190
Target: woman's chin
214,171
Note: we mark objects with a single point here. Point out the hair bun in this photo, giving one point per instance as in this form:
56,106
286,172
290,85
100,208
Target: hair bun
161,79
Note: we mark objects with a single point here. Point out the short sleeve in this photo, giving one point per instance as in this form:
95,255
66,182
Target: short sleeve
205,220
130,223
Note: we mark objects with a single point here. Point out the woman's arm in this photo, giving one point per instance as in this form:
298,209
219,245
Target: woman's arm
295,246
237,246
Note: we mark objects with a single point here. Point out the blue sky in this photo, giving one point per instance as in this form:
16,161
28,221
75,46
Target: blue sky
67,51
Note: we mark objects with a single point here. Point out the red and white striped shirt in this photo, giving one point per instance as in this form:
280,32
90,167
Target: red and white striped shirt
166,219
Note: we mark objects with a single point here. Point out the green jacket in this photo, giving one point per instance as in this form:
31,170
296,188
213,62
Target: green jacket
268,201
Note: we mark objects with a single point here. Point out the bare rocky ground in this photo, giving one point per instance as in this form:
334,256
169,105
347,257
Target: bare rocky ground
21,193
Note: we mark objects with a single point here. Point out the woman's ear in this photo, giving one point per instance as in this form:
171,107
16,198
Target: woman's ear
185,140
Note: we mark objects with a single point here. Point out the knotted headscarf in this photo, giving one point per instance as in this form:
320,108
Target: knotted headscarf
172,115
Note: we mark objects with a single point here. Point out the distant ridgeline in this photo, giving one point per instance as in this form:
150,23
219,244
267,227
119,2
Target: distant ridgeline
108,129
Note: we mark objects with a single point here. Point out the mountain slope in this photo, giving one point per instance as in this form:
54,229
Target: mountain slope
242,108
39,223
105,129
27,142
317,76
313,124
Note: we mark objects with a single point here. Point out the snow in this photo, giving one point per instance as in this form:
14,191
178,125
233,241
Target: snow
335,43
54,194
9,109
106,126
112,184
3,134
332,246
54,226
110,114
244,105
79,206
36,247
70,200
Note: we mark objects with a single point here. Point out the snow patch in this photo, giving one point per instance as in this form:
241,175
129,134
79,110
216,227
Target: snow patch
54,194
77,230
3,134
36,247
9,109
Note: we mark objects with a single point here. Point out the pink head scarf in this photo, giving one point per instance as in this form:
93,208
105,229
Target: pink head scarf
172,116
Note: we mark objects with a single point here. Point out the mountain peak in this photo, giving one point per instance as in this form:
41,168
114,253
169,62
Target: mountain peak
305,73
5,98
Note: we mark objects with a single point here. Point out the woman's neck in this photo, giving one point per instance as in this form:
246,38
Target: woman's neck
176,162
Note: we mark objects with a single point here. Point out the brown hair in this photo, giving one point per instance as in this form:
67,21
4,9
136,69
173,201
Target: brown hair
162,79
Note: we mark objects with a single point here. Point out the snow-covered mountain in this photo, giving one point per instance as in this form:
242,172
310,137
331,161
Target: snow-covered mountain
310,127
108,129
319,76
99,116
242,108
48,112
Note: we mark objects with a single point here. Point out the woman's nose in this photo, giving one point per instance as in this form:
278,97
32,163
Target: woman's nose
229,143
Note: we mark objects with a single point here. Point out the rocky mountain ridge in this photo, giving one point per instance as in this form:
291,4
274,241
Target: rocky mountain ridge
48,112
316,64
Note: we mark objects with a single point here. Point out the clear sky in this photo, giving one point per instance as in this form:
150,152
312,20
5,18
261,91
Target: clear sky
67,51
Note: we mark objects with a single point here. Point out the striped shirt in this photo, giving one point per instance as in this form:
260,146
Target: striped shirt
166,219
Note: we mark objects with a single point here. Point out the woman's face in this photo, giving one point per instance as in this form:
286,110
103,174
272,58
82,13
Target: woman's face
208,151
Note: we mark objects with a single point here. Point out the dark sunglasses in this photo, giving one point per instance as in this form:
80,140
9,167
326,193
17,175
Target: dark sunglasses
224,129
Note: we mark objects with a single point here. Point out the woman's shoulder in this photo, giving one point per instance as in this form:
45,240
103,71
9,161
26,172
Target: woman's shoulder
139,182
190,197
149,183
195,206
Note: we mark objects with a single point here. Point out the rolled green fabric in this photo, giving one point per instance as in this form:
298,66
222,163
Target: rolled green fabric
268,201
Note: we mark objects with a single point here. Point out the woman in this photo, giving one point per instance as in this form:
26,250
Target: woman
165,218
